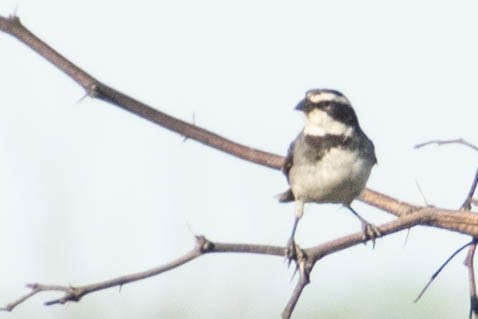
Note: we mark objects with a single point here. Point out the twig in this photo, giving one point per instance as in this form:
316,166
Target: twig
471,278
12,305
305,266
440,269
469,198
95,88
426,216
305,261
466,206
421,193
443,142
203,246
469,261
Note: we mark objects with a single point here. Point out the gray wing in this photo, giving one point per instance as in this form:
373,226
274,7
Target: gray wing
289,160
288,196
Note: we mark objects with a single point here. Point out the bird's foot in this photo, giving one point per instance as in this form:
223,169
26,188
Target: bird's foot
292,252
370,232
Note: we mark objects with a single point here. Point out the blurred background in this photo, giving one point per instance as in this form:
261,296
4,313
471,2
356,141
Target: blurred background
90,192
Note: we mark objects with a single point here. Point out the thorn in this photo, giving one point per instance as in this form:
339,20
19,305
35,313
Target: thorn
295,272
15,11
190,228
81,99
421,193
193,123
406,237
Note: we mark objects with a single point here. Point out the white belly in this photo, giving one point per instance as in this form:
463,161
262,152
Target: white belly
338,177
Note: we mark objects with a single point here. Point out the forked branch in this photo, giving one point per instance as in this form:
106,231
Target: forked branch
202,246
409,215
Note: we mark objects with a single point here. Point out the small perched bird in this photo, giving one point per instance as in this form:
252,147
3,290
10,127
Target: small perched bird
330,160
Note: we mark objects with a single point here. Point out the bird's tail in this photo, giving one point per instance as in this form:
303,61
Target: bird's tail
286,196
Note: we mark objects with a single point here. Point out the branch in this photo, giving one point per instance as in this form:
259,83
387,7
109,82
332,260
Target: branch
96,89
436,273
443,142
305,262
471,278
466,206
469,261
203,246
469,198
409,215
305,265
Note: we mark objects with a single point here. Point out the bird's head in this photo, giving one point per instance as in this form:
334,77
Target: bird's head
328,112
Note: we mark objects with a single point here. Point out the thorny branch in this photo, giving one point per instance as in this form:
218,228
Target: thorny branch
409,215
469,261
306,260
471,279
469,198
203,246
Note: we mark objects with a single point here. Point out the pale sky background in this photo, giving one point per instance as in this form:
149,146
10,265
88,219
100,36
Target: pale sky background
91,192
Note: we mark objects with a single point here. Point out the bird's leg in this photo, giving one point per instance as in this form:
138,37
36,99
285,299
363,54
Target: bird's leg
291,241
370,231
291,250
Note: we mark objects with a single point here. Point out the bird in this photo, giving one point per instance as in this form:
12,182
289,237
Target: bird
330,160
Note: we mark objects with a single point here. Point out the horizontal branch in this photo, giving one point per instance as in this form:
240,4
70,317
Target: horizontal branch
445,142
203,246
424,217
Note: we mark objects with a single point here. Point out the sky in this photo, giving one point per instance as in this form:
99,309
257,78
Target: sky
91,192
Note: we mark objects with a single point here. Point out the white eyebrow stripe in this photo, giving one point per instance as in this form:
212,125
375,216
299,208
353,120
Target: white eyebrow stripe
326,97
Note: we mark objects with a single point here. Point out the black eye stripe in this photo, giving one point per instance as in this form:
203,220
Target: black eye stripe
330,103
342,112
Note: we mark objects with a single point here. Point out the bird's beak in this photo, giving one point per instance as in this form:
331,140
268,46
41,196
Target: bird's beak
301,106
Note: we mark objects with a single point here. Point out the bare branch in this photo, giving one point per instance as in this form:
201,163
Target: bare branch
440,269
426,216
95,88
305,265
420,190
443,142
469,198
409,215
12,305
466,206
471,278
202,246
469,261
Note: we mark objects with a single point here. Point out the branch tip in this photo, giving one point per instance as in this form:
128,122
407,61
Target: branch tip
443,142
